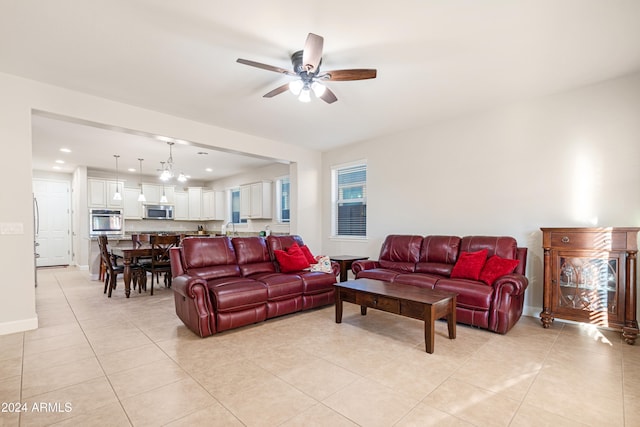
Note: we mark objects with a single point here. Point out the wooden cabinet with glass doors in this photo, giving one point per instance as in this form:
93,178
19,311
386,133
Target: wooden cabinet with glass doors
590,276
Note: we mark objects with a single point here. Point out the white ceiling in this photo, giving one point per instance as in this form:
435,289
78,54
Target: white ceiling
435,59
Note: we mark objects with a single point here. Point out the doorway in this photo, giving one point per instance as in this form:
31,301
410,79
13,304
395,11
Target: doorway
53,222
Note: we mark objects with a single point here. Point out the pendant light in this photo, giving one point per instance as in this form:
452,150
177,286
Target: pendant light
117,195
163,199
141,197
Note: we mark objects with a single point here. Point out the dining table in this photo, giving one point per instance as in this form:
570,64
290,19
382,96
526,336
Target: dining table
128,255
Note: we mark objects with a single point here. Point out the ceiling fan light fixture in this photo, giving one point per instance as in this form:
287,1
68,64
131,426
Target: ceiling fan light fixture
305,95
318,89
182,177
296,86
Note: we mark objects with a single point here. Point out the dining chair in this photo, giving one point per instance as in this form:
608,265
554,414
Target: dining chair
160,262
112,269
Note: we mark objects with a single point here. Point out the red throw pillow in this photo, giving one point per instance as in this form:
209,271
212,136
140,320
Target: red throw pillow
307,253
469,265
497,267
295,261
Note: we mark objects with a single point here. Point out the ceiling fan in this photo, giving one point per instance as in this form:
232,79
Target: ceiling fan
306,69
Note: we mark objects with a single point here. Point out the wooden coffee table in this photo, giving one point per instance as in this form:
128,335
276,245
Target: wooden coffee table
405,300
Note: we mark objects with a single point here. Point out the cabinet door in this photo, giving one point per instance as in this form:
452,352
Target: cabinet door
111,188
261,200
96,193
181,210
586,286
169,192
245,201
132,207
208,204
195,203
152,192
219,212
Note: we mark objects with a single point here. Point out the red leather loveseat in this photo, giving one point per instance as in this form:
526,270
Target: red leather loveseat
221,283
492,301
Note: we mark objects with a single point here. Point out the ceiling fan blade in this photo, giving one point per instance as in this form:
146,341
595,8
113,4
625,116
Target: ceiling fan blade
312,53
328,96
265,66
277,91
345,75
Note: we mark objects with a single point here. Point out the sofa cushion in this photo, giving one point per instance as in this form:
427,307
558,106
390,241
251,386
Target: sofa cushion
378,274
497,267
438,255
279,285
237,295
291,260
469,265
209,257
252,255
307,253
323,263
421,280
315,282
400,252
505,247
472,294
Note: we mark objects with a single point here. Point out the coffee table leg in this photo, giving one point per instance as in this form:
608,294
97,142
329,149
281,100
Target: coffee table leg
429,326
338,307
451,318
363,310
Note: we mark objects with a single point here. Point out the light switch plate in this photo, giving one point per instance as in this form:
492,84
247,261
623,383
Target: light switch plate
11,228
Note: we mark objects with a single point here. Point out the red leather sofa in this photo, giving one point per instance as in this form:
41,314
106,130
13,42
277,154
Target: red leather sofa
429,261
221,283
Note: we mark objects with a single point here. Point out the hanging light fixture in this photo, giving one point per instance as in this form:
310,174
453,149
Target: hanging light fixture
163,199
167,171
117,195
141,197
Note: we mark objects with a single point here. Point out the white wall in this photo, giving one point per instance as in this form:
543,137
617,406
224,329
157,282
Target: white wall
21,96
572,159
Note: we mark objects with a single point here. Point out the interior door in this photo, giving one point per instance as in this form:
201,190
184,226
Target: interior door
54,228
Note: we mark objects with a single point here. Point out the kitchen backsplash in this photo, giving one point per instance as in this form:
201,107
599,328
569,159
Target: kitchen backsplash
135,226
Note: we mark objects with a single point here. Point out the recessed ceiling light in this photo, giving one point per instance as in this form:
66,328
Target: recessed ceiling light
131,170
65,150
209,170
164,138
60,162
181,142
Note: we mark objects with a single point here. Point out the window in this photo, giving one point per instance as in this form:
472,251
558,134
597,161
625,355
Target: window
349,184
235,207
282,198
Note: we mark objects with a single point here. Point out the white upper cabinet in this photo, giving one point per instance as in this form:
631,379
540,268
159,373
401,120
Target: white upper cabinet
153,193
100,193
181,210
132,207
255,200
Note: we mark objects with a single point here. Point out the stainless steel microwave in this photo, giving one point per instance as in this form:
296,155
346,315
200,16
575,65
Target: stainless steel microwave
158,212
106,221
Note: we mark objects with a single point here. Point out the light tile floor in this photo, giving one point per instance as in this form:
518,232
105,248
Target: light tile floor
112,362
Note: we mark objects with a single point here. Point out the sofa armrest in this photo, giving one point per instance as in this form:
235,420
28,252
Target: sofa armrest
358,266
508,302
335,267
193,304
514,284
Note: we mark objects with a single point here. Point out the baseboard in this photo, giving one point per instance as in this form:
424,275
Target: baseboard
82,267
531,311
19,326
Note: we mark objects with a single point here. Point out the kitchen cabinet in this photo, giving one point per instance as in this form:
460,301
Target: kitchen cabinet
590,276
181,202
153,193
256,200
100,193
212,205
132,207
195,203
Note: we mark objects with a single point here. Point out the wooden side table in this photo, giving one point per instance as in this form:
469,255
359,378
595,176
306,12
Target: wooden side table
345,262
